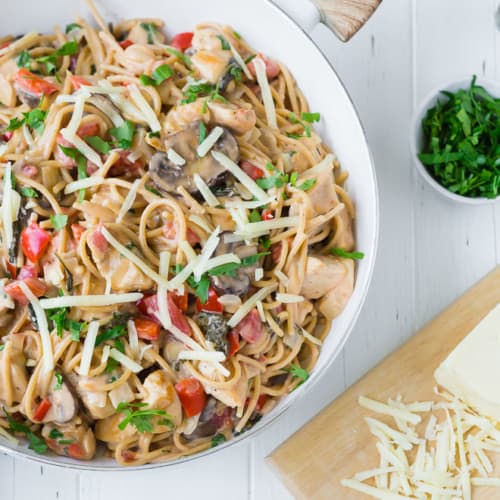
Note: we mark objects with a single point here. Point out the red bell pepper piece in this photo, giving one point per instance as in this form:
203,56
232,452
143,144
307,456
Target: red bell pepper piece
192,396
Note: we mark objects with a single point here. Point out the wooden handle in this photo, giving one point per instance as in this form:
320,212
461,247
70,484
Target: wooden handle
346,17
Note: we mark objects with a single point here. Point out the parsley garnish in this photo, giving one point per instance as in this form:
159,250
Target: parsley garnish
151,31
71,27
254,216
348,255
36,443
298,372
61,322
203,133
184,58
24,60
460,148
159,75
154,134
237,35
304,117
306,185
218,439
311,117
59,381
2,347
153,190
224,43
50,61
33,119
55,434
98,144
58,221
231,268
29,192
236,72
81,163
200,287
141,419
124,134
112,333
275,181
265,241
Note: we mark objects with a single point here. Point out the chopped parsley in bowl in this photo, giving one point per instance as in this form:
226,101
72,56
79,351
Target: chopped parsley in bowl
457,141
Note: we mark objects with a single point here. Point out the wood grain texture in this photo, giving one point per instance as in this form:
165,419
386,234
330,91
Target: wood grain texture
337,443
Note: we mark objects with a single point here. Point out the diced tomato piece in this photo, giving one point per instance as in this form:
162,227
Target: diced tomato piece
261,402
37,286
34,241
250,327
59,155
78,82
192,237
28,271
11,268
182,41
33,84
42,409
128,455
212,305
251,170
233,338
147,329
5,44
76,451
272,68
181,301
192,396
170,232
98,240
7,136
267,215
276,252
30,171
88,129
149,307
77,231
125,44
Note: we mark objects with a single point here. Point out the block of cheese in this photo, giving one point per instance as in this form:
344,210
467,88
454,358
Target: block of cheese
472,370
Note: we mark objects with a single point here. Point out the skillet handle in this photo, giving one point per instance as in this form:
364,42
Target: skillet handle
346,17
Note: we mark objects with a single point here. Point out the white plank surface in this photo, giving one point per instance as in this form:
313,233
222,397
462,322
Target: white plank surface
430,250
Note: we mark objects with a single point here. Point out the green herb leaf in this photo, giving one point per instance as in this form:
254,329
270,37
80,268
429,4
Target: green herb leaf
224,43
340,252
35,119
14,124
159,75
58,221
71,27
311,117
70,152
306,185
200,287
55,434
141,419
151,31
218,439
154,134
2,347
112,333
298,372
29,192
66,441
236,72
237,35
59,381
58,316
50,61
36,443
254,216
203,132
153,190
250,260
184,58
265,241
124,134
98,144
274,181
24,60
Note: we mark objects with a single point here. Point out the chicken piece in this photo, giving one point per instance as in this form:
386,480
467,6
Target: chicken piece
344,235
333,303
323,272
160,394
208,57
124,275
239,120
13,381
323,195
302,310
96,401
107,430
74,440
233,397
64,405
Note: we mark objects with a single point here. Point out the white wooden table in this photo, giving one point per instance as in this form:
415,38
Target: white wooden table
430,251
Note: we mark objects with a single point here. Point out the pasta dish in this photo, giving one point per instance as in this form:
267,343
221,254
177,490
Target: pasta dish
176,239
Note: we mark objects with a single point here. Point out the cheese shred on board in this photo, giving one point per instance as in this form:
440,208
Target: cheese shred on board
162,199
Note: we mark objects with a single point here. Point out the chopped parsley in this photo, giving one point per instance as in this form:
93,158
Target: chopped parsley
274,181
81,163
50,61
123,134
297,372
36,443
29,192
254,216
2,347
224,43
201,287
236,72
203,133
71,27
217,440
58,221
142,418
59,381
340,252
460,147
153,190
34,119
24,60
151,31
55,434
306,185
183,57
61,322
159,75
231,268
112,333
202,89
98,144
304,117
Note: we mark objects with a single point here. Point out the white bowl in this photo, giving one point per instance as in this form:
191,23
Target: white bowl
417,135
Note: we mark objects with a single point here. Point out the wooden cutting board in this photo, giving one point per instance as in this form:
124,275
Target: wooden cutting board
337,443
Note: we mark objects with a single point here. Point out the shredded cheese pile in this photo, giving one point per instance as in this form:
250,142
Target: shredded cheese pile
444,460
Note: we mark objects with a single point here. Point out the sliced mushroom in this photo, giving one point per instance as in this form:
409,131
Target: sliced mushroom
64,404
31,100
169,176
240,283
105,105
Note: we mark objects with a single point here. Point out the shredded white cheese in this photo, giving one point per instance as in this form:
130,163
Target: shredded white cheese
161,296
90,300
88,348
133,258
125,361
260,310
129,201
83,147
28,137
205,191
241,62
145,108
248,204
382,408
175,157
220,260
259,274
269,225
43,327
282,277
76,116
325,164
94,180
7,216
210,141
249,183
212,356
133,338
265,88
105,354
201,222
206,253
289,298
249,304
311,338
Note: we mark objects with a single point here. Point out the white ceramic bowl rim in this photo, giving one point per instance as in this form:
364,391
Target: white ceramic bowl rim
416,133
25,454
